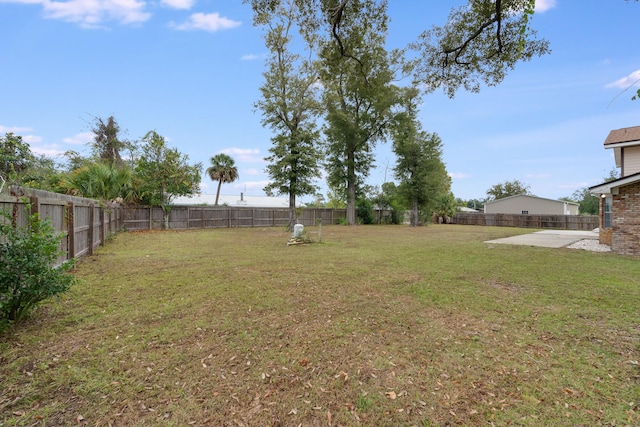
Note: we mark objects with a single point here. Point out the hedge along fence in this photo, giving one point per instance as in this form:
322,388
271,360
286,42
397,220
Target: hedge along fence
561,222
190,217
84,224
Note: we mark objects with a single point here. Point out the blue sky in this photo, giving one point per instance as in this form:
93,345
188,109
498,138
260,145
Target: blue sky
191,70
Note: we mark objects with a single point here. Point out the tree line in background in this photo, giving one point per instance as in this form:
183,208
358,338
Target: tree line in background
588,203
331,92
145,172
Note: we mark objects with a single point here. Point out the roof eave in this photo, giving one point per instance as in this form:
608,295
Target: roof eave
611,187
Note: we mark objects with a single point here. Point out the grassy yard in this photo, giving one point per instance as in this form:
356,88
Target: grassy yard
376,326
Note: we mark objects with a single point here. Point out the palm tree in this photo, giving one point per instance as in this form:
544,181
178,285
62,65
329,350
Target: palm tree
223,169
100,180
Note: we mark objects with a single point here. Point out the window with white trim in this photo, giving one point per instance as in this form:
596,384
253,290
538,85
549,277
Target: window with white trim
607,219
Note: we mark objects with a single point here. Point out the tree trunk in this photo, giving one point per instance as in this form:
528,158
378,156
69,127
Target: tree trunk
351,204
351,190
292,211
218,192
415,214
165,216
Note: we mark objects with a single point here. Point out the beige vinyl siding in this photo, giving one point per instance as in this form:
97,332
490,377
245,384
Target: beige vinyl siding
531,206
630,160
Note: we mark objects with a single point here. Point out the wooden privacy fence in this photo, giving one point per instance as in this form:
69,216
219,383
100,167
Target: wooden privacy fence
188,217
561,222
84,224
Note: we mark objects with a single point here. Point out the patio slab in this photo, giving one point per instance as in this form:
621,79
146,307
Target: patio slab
548,238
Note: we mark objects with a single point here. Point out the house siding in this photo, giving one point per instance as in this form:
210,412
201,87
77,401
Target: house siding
531,205
630,160
625,237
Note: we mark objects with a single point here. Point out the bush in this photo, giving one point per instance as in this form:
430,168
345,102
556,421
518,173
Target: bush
364,211
28,274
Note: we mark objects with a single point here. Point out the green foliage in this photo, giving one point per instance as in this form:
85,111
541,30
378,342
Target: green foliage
318,201
223,169
390,198
419,166
27,273
15,157
364,208
480,42
471,203
507,189
356,72
445,205
107,143
42,174
589,204
18,165
336,199
289,106
163,173
100,180
364,402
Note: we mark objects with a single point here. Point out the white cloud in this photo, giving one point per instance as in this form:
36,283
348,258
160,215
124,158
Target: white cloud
79,138
248,155
632,79
178,4
459,175
538,175
51,150
207,22
13,129
32,139
252,171
91,13
249,57
544,5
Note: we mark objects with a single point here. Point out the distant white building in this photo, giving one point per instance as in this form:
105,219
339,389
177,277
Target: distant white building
530,205
465,209
239,201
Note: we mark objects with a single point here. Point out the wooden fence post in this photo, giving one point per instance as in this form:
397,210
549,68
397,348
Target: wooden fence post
71,231
90,230
35,205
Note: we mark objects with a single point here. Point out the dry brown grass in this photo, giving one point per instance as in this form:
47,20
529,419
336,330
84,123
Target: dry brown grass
375,326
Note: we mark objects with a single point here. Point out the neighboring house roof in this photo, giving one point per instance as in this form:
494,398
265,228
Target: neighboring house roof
466,209
621,136
532,197
241,200
611,186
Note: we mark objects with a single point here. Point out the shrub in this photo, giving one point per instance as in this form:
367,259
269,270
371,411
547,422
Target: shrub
364,211
28,274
